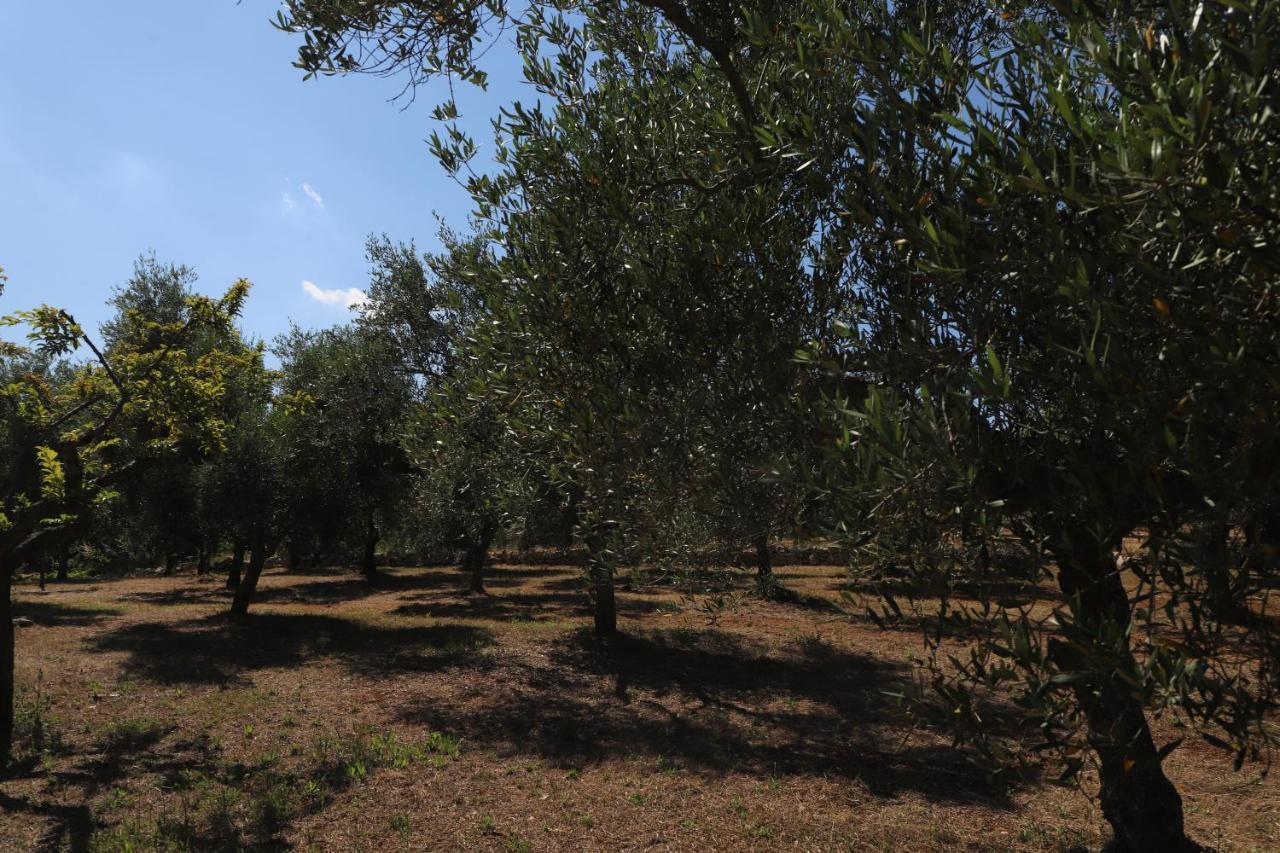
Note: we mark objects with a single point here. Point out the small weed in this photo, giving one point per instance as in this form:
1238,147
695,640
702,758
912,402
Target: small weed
517,845
117,798
665,765
573,774
400,822
638,799
486,825
444,746
34,729
813,645
272,810
315,793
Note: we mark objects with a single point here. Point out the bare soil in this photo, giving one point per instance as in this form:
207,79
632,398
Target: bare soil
408,715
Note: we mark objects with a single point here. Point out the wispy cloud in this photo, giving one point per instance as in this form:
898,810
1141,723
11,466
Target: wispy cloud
351,297
287,204
311,193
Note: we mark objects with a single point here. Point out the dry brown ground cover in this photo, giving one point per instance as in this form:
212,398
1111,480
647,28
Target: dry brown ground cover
410,716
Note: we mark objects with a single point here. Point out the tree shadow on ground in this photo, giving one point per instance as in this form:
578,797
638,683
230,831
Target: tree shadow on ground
278,586
533,606
710,702
217,650
352,589
540,571
71,826
206,594
115,756
57,614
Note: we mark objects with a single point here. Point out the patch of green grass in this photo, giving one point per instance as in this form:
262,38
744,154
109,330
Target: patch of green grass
135,733
118,798
203,819
129,836
459,644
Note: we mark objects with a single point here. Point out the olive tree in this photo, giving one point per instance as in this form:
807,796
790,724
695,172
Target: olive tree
1067,330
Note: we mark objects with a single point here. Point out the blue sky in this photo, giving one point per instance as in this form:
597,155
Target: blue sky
182,127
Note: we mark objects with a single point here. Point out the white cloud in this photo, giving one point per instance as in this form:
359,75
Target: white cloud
351,297
311,193
287,204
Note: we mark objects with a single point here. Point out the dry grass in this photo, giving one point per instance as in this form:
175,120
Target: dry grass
410,716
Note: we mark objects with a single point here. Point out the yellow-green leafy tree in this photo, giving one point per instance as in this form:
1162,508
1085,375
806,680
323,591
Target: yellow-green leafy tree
109,411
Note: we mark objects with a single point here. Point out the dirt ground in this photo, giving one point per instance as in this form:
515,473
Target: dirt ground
412,716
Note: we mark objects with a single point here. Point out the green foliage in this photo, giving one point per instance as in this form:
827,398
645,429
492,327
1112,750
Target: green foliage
82,424
342,401
1047,234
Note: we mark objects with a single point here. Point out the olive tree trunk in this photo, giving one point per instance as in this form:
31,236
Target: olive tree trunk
764,569
600,567
1216,566
369,559
249,584
477,556
1138,800
237,565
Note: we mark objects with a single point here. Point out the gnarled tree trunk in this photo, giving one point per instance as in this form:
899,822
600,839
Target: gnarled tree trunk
249,585
1138,800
